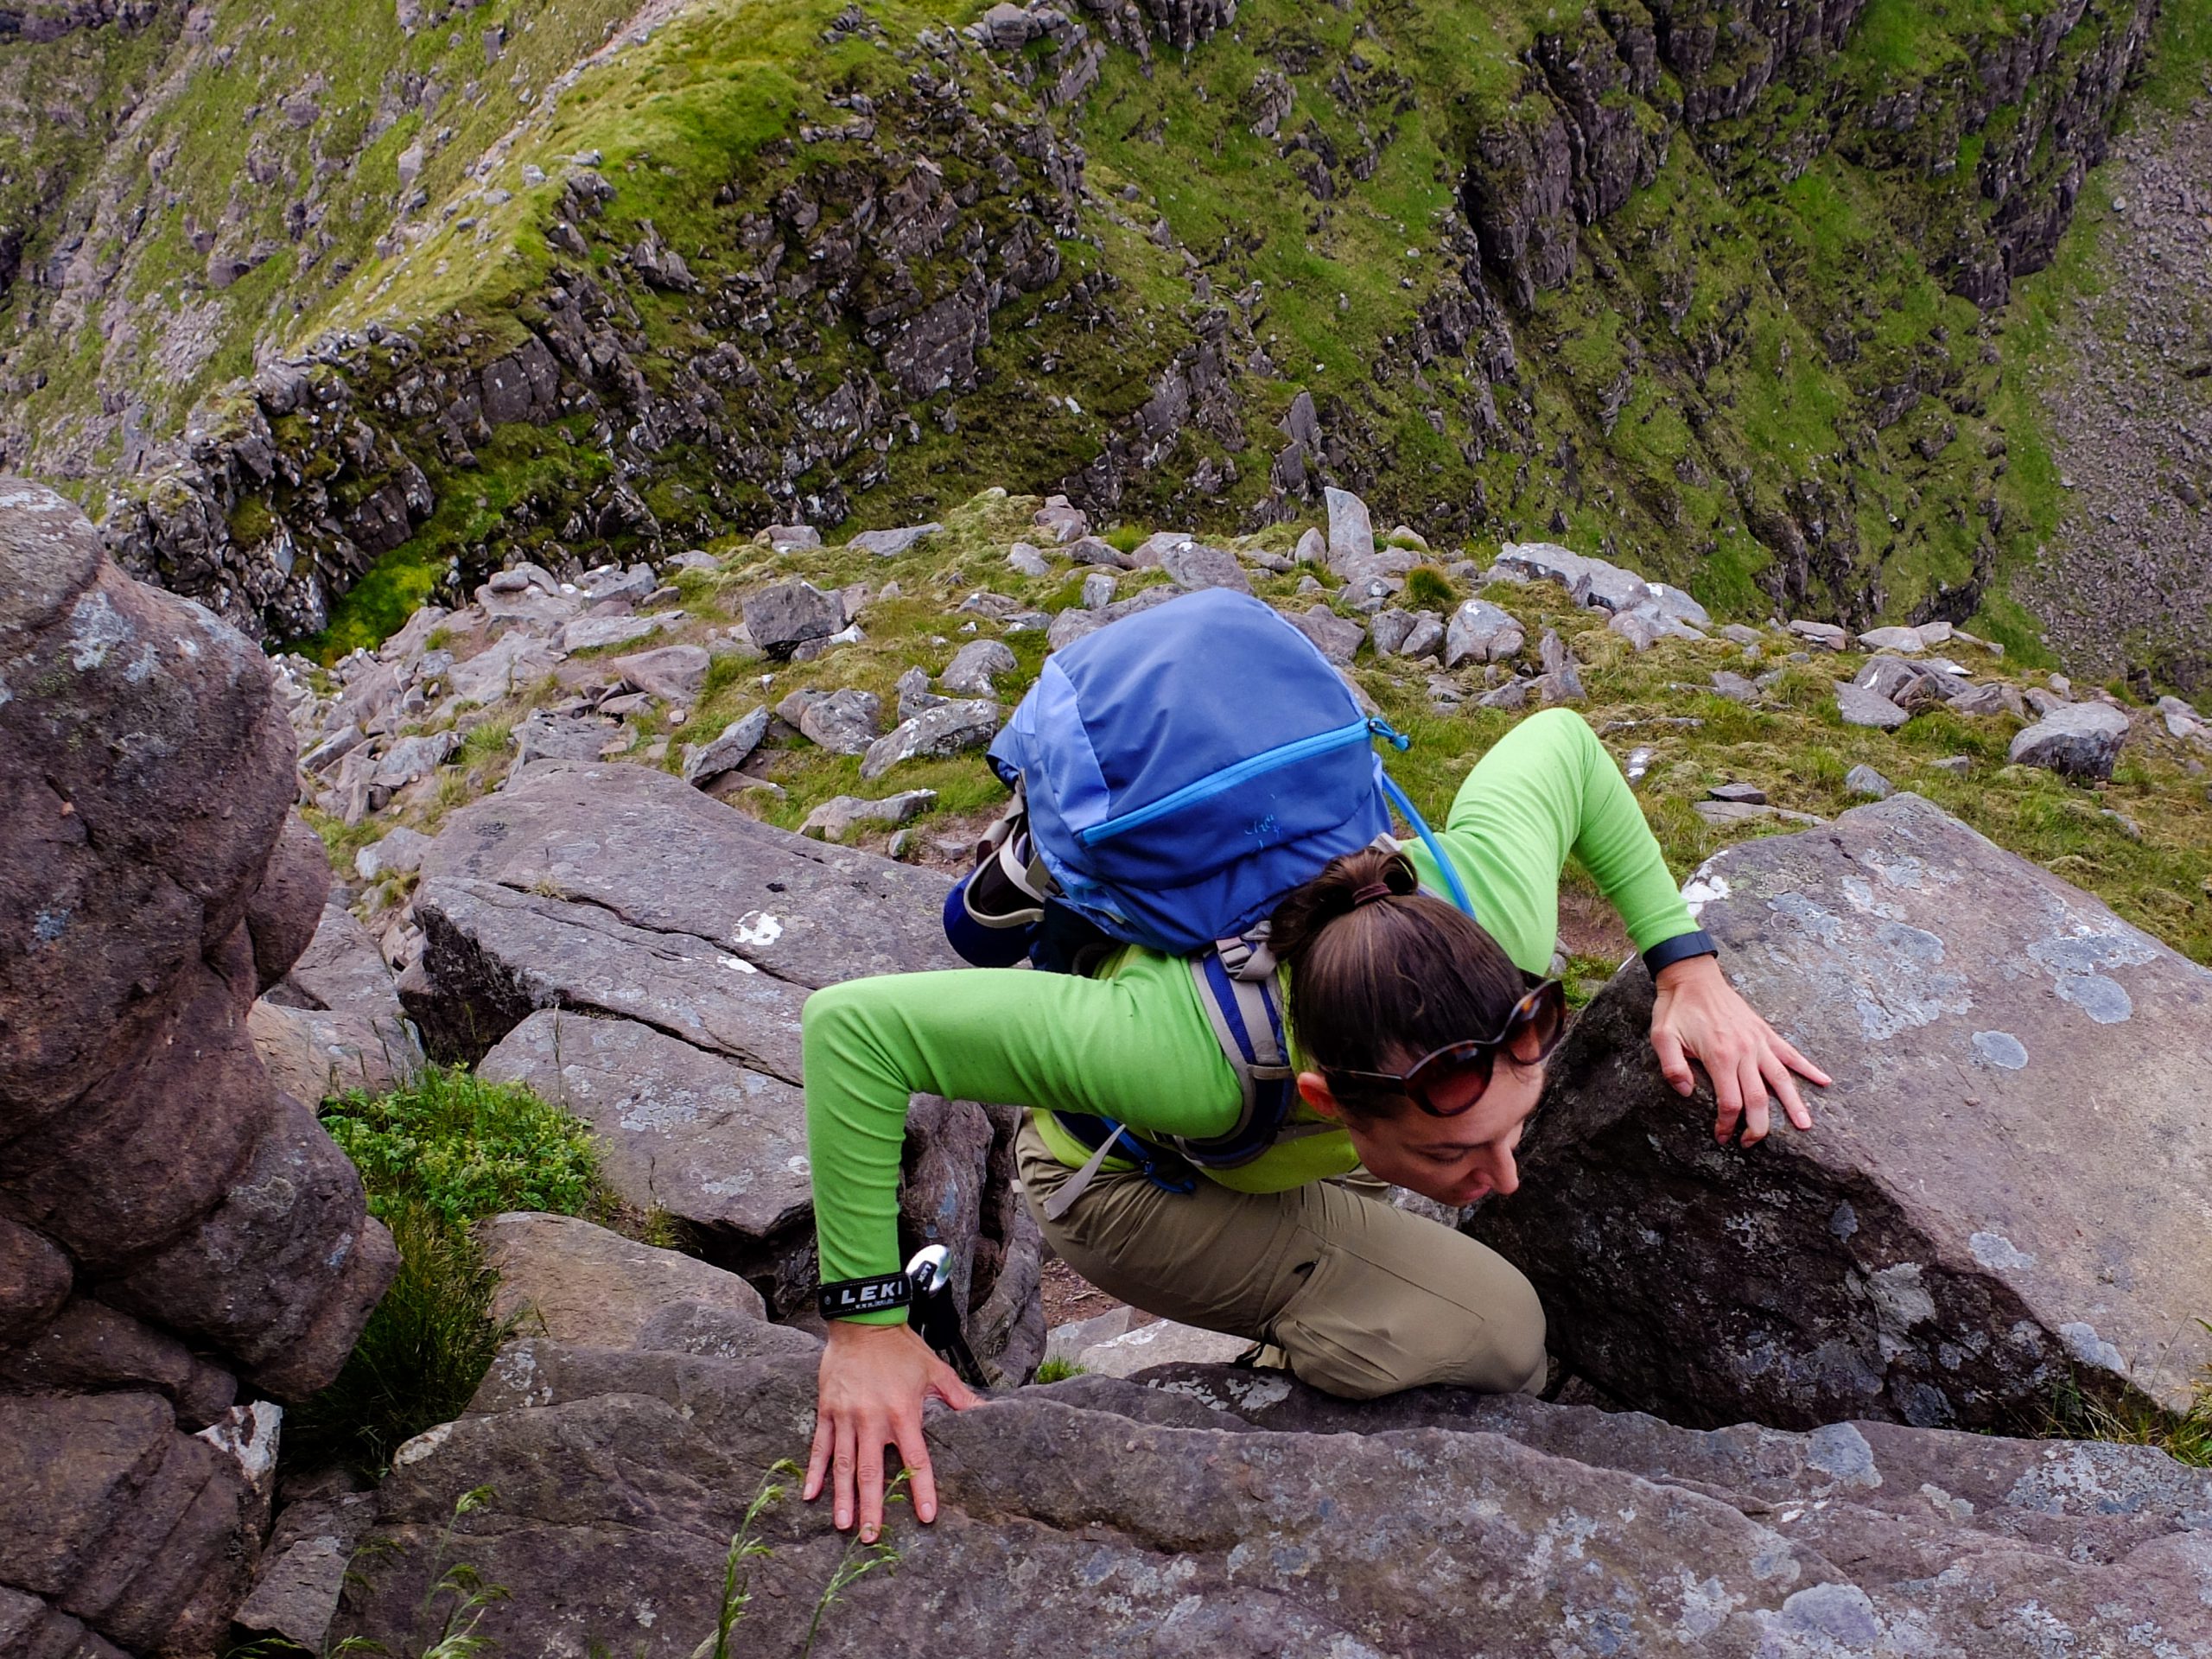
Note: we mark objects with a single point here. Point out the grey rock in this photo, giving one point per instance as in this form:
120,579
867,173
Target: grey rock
1991,698
890,544
1027,561
974,666
1826,635
2043,702
1158,1342
1735,687
674,673
845,721
1510,695
680,1128
681,1327
398,853
1335,636
2083,740
1089,549
836,817
302,1571
514,663
1912,686
729,751
1944,1268
1750,792
1595,582
560,737
1311,549
1098,589
1387,630
1907,639
1675,605
1957,765
1071,625
914,694
1737,632
1480,631
1192,565
561,1277
613,582
1639,631
1352,531
1728,812
591,633
1732,1535
1860,707
780,619
622,888
792,538
412,758
1865,780
312,1053
1425,640
953,728
1064,523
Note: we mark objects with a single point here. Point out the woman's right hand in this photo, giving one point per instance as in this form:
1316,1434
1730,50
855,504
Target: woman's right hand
874,1378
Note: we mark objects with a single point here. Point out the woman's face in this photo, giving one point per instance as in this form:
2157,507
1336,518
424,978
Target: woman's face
1454,1160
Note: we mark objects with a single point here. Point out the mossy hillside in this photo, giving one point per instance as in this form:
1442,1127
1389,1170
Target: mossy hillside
218,166
2142,843
1751,384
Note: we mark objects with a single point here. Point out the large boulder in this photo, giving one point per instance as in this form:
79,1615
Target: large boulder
1994,1200
2083,740
1100,1517
640,953
174,1224
575,1282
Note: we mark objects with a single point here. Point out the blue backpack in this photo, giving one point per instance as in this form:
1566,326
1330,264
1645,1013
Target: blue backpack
1176,773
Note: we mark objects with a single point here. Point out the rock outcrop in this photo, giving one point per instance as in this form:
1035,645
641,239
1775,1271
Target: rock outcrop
172,1226
1998,1197
639,953
1097,1516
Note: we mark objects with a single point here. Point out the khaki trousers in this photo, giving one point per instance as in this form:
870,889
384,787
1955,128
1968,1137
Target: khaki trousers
1362,1298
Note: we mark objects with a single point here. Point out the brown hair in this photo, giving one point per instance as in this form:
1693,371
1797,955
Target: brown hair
1377,980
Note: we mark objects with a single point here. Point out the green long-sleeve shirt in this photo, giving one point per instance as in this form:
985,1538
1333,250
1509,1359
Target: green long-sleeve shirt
1132,1044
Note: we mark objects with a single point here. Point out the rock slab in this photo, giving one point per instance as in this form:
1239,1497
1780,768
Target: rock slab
1990,1203
1098,1517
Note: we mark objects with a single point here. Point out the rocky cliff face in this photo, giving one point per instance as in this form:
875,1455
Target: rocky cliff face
173,1231
1637,272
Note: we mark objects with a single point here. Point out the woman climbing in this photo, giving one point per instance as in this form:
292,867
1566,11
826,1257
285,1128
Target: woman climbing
1417,1039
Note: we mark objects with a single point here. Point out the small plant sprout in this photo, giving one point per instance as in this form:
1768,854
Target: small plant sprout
461,1588
737,1593
856,1563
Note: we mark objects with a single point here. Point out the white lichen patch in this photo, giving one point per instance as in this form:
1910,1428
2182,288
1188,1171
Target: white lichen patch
1997,1252
96,627
756,929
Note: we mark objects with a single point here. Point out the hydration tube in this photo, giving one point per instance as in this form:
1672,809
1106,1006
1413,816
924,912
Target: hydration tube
1400,799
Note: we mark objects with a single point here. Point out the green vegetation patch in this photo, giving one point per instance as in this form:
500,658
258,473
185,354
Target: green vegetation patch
437,1156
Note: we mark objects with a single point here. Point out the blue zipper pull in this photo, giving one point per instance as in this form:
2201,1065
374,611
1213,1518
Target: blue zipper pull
1381,728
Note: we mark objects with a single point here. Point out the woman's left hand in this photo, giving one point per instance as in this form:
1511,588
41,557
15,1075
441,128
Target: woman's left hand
1699,1016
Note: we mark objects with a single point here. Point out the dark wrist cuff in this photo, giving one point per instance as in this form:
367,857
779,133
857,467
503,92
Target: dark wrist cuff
1680,948
880,1294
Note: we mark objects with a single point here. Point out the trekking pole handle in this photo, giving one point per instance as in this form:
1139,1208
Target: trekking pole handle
930,1272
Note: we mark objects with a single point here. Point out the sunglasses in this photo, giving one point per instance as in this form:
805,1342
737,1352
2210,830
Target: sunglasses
1451,1079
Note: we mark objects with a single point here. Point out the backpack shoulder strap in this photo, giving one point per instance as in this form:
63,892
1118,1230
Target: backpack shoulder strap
1242,996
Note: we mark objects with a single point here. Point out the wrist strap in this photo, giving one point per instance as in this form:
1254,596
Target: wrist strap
1680,948
850,1296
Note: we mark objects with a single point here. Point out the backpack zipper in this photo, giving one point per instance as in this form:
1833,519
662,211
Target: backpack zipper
1229,776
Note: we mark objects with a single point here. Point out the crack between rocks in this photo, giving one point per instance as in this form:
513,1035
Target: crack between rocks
566,897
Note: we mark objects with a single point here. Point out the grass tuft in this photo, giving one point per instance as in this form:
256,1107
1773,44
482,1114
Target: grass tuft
435,1156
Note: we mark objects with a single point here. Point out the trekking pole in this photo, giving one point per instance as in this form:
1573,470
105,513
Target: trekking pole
929,1273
